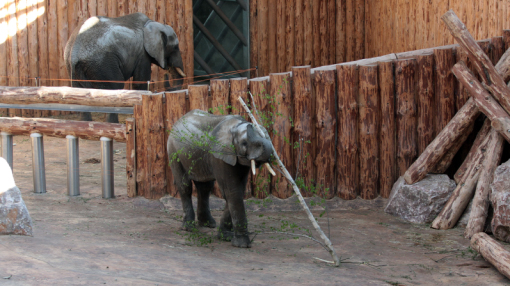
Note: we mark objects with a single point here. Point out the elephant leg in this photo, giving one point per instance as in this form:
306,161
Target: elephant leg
203,211
112,117
225,231
183,185
86,116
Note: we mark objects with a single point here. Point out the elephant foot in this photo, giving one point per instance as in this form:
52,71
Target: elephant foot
188,225
242,241
207,222
225,235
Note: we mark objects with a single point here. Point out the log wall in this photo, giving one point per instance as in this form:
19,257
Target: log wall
346,130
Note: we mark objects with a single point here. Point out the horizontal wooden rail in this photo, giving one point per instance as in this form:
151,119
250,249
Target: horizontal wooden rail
70,95
62,128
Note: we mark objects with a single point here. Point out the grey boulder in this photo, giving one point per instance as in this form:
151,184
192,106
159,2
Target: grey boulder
14,216
420,202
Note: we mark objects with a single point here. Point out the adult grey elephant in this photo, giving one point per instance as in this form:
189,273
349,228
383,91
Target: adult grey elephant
204,148
115,49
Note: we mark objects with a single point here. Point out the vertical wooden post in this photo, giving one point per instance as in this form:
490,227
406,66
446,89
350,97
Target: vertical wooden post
219,96
142,180
175,108
33,42
62,36
22,35
155,148
323,43
387,153
307,32
280,35
347,178
340,43
445,86
290,27
131,157
425,101
303,122
188,38
496,49
282,138
359,51
198,97
350,9
259,88
325,87
406,114
368,131
506,39
263,22
271,40
254,39
299,33
461,94
92,8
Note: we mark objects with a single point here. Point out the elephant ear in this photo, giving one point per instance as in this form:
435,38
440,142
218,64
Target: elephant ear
153,42
223,148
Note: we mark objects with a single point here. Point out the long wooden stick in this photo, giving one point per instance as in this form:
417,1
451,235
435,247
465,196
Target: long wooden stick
296,190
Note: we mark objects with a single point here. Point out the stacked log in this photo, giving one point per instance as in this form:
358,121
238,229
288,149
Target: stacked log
491,96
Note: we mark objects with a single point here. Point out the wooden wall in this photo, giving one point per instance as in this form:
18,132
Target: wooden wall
33,34
322,32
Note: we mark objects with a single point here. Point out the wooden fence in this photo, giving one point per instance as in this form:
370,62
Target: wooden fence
283,34
359,125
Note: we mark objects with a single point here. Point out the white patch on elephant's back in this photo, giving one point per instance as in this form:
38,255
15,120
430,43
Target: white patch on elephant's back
89,24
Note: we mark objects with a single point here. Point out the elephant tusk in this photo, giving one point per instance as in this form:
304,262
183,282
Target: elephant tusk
268,167
180,72
253,170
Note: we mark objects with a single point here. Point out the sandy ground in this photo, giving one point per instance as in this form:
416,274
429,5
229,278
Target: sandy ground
88,240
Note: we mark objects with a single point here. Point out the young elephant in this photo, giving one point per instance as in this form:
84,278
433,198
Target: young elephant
203,148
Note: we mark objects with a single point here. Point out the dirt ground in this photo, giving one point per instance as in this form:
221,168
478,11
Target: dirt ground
88,240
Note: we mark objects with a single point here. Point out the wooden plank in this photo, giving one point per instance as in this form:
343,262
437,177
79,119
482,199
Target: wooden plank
102,7
368,101
254,39
12,44
282,138
461,94
281,36
290,35
157,158
142,180
387,150
316,37
131,157
341,32
33,42
350,30
111,6
445,87
426,101
481,22
151,13
73,7
272,44
263,22
198,97
122,7
323,47
4,36
303,131
492,21
359,23
92,8
220,96
496,49
62,36
160,75
42,47
331,27
22,42
308,32
174,109
347,177
299,33
262,94
506,38
406,114
324,83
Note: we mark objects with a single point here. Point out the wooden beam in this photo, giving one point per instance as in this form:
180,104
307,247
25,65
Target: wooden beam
62,128
492,251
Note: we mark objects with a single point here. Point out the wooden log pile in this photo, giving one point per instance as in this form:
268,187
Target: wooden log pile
490,96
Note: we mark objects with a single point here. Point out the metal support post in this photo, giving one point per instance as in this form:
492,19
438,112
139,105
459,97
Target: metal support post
7,148
73,166
107,167
38,169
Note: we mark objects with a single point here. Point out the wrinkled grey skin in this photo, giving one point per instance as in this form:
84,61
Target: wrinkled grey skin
116,49
203,148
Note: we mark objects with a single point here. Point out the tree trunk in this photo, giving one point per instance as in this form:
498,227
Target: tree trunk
492,251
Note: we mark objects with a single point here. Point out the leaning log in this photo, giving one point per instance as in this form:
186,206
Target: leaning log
485,102
481,61
459,124
492,251
62,128
482,134
70,95
480,206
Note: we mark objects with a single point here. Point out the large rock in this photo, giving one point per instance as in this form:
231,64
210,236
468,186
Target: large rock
14,216
500,198
420,202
